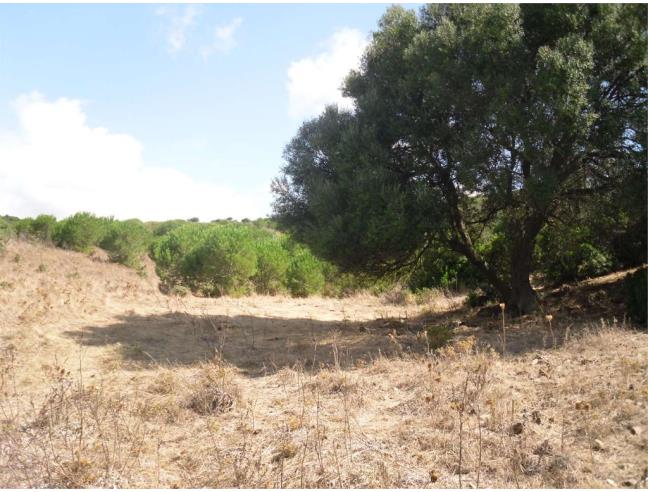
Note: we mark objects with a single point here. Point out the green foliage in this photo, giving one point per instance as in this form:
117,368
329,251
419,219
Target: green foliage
272,265
473,121
305,276
6,231
637,295
479,297
81,232
437,335
565,254
169,251
165,227
126,242
43,227
442,267
23,227
223,263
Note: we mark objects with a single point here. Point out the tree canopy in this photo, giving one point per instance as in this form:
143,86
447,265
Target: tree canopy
472,120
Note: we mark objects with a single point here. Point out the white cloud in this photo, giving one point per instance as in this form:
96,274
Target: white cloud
314,82
224,39
179,22
55,163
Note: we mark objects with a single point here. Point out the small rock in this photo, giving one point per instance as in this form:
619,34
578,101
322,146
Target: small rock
535,416
517,428
627,483
597,445
433,476
611,482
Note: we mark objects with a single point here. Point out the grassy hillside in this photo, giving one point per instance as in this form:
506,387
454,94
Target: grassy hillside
107,382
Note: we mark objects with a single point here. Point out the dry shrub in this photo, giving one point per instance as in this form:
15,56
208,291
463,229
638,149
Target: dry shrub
80,436
165,382
333,381
398,296
213,389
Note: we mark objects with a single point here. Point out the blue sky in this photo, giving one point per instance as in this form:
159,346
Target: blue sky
193,99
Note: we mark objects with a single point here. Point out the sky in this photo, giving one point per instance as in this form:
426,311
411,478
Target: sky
163,111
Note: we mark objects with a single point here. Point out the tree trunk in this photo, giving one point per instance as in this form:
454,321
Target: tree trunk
522,299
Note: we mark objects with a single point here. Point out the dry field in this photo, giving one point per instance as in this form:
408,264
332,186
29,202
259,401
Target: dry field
105,382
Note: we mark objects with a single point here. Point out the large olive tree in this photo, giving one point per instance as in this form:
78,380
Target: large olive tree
467,116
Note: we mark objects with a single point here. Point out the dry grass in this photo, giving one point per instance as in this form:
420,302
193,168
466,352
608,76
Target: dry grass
123,387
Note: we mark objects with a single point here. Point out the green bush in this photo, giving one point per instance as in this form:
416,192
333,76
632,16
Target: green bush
565,254
437,335
81,232
43,226
637,296
165,227
272,265
305,275
170,250
23,227
223,263
6,231
126,242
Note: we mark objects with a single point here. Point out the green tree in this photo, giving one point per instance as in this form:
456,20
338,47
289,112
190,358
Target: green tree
471,120
81,231
169,251
272,265
223,263
305,273
127,242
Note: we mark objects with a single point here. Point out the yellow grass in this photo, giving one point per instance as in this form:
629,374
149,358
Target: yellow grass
105,382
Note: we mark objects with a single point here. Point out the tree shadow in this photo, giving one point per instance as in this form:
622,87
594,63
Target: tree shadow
256,345
259,345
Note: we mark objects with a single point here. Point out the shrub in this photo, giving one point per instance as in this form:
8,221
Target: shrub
126,242
223,263
440,267
165,227
23,227
80,232
43,226
272,266
6,231
437,335
305,276
480,297
565,254
637,295
169,251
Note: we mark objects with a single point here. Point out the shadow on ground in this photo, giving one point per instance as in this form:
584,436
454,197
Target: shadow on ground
256,345
262,345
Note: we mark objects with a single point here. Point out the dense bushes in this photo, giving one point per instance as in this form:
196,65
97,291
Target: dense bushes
236,259
223,263
169,251
126,242
565,254
6,230
305,273
637,295
273,261
80,232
